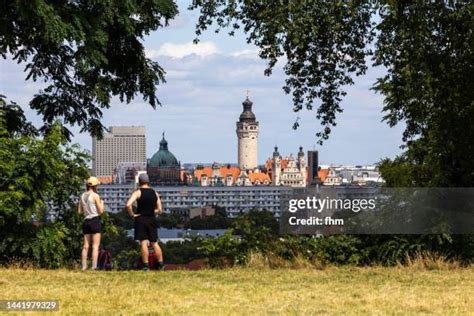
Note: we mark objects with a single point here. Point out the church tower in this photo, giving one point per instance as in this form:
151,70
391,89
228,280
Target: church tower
247,133
302,166
276,168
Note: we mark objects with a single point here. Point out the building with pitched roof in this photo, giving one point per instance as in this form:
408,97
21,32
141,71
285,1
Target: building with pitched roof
218,175
288,171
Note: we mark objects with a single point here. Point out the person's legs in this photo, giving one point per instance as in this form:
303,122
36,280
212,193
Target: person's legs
144,252
158,255
85,250
152,232
95,250
158,252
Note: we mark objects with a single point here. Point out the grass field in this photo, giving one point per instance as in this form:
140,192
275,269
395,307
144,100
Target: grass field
345,290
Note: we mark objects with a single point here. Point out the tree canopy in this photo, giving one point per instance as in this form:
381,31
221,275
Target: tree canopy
86,51
39,178
425,47
322,43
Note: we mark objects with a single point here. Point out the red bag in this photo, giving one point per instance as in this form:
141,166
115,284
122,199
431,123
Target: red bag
151,260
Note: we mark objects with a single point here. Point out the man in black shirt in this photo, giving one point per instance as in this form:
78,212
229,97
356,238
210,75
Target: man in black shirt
148,204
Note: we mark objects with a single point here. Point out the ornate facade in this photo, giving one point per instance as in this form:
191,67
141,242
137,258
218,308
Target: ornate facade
287,171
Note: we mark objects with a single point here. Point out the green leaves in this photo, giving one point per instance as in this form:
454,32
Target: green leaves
87,51
39,178
322,43
427,49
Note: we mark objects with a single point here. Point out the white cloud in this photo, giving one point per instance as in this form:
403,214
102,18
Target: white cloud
246,53
202,100
202,49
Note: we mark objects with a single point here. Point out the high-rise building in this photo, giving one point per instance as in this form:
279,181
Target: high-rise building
121,144
313,167
247,133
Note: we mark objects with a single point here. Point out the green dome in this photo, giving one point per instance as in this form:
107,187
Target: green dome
163,158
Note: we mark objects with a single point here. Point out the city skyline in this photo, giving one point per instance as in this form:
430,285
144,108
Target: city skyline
206,85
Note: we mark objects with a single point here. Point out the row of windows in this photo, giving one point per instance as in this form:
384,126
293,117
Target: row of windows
103,147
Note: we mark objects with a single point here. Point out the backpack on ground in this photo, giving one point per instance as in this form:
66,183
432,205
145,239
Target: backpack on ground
152,260
105,260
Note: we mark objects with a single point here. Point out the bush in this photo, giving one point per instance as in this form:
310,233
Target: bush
180,252
39,175
223,251
328,249
255,241
209,222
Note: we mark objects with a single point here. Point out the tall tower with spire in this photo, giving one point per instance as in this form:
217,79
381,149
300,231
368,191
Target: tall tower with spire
276,168
247,133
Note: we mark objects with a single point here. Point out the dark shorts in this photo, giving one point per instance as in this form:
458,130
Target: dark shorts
146,228
92,226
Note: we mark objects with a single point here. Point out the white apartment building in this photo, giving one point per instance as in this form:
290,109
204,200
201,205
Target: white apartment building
121,144
234,199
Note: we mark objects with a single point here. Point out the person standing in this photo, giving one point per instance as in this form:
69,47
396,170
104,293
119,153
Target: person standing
146,230
92,206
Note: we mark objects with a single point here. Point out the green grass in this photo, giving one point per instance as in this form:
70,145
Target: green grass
345,290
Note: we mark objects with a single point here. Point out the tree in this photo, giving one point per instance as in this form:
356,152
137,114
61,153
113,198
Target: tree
39,178
217,221
169,221
257,228
88,52
324,43
426,48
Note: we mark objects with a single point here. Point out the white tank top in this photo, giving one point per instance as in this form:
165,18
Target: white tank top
88,205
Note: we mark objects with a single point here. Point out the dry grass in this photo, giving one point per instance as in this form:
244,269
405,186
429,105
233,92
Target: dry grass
344,290
257,260
431,261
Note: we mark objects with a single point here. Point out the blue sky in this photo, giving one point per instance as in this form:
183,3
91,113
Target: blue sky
202,99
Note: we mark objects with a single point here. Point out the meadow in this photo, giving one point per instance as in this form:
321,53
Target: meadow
235,291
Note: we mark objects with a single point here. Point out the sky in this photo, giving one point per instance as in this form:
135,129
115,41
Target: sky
202,100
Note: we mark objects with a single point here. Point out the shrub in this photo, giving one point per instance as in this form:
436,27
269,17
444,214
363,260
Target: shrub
179,252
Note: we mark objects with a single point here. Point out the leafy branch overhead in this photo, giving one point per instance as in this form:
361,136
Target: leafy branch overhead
87,51
426,48
323,43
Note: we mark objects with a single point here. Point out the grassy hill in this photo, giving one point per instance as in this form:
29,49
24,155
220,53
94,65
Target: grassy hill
342,290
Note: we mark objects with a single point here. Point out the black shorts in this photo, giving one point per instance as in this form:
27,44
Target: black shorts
146,228
92,226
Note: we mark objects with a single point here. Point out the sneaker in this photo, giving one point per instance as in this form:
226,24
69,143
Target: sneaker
159,266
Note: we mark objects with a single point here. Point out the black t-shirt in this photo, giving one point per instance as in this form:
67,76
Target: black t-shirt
146,204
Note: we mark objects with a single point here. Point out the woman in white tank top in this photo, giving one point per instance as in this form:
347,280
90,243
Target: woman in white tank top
92,206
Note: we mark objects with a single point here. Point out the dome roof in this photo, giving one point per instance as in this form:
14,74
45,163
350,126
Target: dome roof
163,158
247,114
